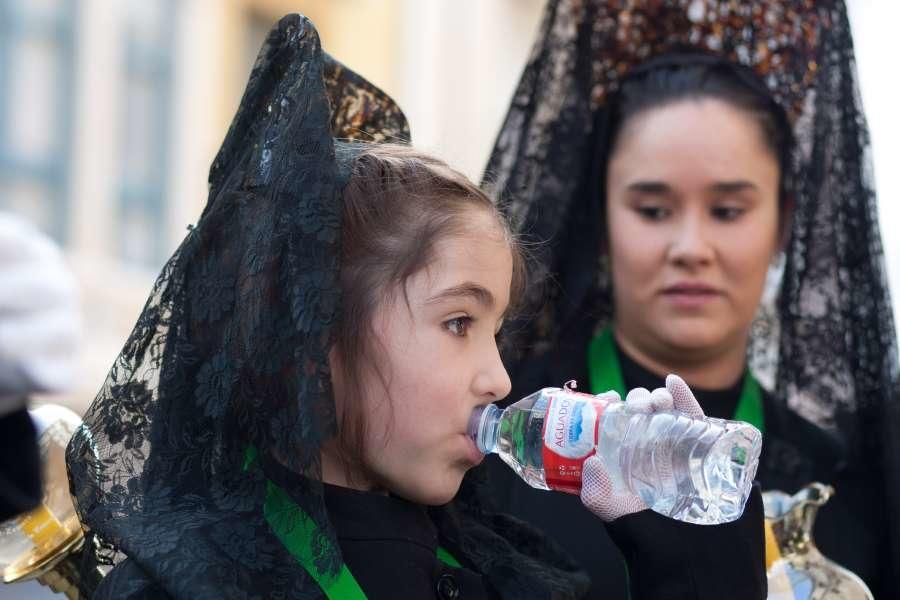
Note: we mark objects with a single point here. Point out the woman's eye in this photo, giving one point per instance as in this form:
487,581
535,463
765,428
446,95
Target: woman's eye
458,326
727,213
653,213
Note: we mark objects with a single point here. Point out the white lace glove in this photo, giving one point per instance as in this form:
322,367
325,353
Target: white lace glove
40,323
597,492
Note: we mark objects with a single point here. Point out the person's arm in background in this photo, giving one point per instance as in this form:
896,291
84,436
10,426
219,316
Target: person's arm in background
669,559
39,329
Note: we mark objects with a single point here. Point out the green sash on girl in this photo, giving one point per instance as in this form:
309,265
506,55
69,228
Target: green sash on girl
296,530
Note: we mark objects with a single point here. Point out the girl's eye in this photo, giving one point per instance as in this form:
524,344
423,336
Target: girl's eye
727,213
458,326
653,213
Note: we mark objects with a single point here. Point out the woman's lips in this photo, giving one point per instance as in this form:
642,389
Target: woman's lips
691,295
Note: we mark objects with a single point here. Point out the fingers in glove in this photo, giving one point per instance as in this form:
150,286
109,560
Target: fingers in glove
610,396
638,400
644,401
599,495
661,399
682,397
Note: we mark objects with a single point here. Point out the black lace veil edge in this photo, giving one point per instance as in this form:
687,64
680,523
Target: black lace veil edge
237,326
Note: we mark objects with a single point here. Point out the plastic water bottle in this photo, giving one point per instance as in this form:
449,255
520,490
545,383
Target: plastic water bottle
694,470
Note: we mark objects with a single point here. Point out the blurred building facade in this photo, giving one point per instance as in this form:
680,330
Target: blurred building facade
112,110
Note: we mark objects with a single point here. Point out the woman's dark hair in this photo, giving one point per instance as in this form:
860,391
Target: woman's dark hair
398,205
674,77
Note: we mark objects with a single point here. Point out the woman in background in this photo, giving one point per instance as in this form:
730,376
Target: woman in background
665,188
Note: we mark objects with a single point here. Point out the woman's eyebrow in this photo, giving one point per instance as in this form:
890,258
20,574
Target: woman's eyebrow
730,187
659,188
655,188
466,290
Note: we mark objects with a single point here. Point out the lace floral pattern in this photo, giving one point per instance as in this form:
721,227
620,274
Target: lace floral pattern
824,337
231,351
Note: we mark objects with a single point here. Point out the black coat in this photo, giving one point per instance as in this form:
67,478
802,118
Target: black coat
387,540
390,546
666,559
795,452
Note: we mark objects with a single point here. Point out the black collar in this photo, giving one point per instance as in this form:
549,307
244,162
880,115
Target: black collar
360,515
719,403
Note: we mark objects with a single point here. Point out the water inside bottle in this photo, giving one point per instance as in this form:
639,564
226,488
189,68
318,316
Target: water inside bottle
694,470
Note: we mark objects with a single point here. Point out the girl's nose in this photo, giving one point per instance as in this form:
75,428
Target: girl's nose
492,382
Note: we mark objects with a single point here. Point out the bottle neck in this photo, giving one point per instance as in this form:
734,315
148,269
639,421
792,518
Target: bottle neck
484,426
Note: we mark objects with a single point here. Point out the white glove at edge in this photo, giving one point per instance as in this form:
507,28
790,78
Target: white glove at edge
40,321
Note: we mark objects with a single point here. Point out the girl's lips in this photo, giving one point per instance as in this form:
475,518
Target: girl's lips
473,454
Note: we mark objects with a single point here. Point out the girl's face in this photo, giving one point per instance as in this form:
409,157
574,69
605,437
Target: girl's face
692,205
437,353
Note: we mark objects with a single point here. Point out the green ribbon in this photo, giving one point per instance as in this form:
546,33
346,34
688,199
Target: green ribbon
605,373
296,531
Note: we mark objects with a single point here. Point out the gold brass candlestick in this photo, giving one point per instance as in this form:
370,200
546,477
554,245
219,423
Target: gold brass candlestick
45,543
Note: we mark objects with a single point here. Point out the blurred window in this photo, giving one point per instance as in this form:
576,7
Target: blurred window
36,96
146,115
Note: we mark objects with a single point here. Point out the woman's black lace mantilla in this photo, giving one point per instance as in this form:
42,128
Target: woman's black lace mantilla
825,343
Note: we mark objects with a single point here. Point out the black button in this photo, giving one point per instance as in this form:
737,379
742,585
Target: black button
447,588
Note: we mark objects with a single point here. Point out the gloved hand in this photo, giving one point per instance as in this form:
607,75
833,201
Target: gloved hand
40,323
597,492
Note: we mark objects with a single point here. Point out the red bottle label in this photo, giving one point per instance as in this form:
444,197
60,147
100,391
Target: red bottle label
571,433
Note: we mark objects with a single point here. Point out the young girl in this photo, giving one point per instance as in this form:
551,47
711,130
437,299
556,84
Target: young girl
288,419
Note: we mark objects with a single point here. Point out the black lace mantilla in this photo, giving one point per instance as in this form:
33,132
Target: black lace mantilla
231,351
824,337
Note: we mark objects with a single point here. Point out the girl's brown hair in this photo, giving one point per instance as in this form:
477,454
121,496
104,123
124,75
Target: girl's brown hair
398,204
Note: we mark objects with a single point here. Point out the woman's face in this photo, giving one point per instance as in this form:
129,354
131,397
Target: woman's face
438,357
692,205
